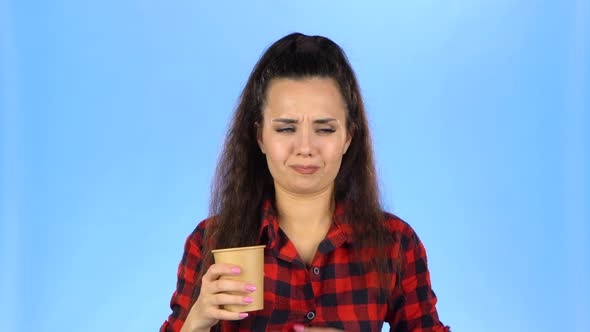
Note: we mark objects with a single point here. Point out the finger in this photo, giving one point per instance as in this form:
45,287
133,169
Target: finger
301,328
222,314
217,270
225,285
224,298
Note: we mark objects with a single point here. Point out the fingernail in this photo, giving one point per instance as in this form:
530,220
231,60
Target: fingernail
243,315
235,270
250,288
298,328
248,299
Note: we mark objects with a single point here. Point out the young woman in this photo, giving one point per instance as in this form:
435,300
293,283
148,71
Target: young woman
297,175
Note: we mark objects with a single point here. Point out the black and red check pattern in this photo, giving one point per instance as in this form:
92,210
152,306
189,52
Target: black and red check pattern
332,292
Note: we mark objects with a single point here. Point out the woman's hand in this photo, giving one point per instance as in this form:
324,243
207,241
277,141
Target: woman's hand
301,328
206,311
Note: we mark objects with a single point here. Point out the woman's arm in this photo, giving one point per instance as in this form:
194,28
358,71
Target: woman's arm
186,284
210,291
412,306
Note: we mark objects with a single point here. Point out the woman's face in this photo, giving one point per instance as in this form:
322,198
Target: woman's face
303,134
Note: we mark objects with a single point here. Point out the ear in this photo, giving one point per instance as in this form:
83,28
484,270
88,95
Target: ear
347,143
259,137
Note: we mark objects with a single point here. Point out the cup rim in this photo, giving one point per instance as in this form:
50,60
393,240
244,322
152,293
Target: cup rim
238,249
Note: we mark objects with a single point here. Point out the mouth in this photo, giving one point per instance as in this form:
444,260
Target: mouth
301,169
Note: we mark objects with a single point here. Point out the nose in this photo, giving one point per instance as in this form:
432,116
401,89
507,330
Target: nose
304,142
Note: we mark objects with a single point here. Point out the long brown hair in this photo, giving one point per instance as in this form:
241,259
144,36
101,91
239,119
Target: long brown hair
242,181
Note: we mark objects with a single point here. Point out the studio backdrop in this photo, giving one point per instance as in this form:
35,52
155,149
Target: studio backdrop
113,115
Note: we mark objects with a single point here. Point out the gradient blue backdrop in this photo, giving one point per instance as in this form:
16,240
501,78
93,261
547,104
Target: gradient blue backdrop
113,114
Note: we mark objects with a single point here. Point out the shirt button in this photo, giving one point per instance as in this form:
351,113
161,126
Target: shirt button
316,270
310,315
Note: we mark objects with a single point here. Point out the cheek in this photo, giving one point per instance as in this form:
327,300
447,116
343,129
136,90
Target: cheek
333,153
276,152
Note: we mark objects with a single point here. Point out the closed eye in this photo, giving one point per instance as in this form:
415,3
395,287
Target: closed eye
326,130
285,130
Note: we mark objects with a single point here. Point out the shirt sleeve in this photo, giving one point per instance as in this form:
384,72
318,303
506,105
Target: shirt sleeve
186,284
412,306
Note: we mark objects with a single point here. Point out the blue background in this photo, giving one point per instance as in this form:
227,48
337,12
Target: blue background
113,115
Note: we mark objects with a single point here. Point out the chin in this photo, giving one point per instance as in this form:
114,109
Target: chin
306,190
302,191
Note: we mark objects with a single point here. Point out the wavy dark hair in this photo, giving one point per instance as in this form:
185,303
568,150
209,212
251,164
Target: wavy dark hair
243,181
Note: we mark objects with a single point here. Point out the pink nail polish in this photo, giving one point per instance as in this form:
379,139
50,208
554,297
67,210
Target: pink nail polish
243,315
248,299
298,328
250,288
235,270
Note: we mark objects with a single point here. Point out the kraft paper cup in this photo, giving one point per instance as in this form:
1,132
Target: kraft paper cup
251,262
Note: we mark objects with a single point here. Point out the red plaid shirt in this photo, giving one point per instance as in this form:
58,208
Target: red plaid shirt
332,292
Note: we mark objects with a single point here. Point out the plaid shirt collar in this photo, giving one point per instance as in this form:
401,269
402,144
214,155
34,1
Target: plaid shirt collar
340,232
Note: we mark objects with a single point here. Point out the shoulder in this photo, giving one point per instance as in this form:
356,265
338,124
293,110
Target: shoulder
401,231
197,236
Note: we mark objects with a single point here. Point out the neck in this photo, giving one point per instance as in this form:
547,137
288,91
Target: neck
304,211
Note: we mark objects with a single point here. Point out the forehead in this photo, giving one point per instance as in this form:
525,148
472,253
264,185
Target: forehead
308,97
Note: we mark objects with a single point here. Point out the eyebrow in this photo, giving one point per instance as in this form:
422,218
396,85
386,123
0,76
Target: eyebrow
291,121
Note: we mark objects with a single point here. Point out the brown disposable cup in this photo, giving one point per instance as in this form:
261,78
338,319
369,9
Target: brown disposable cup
251,262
